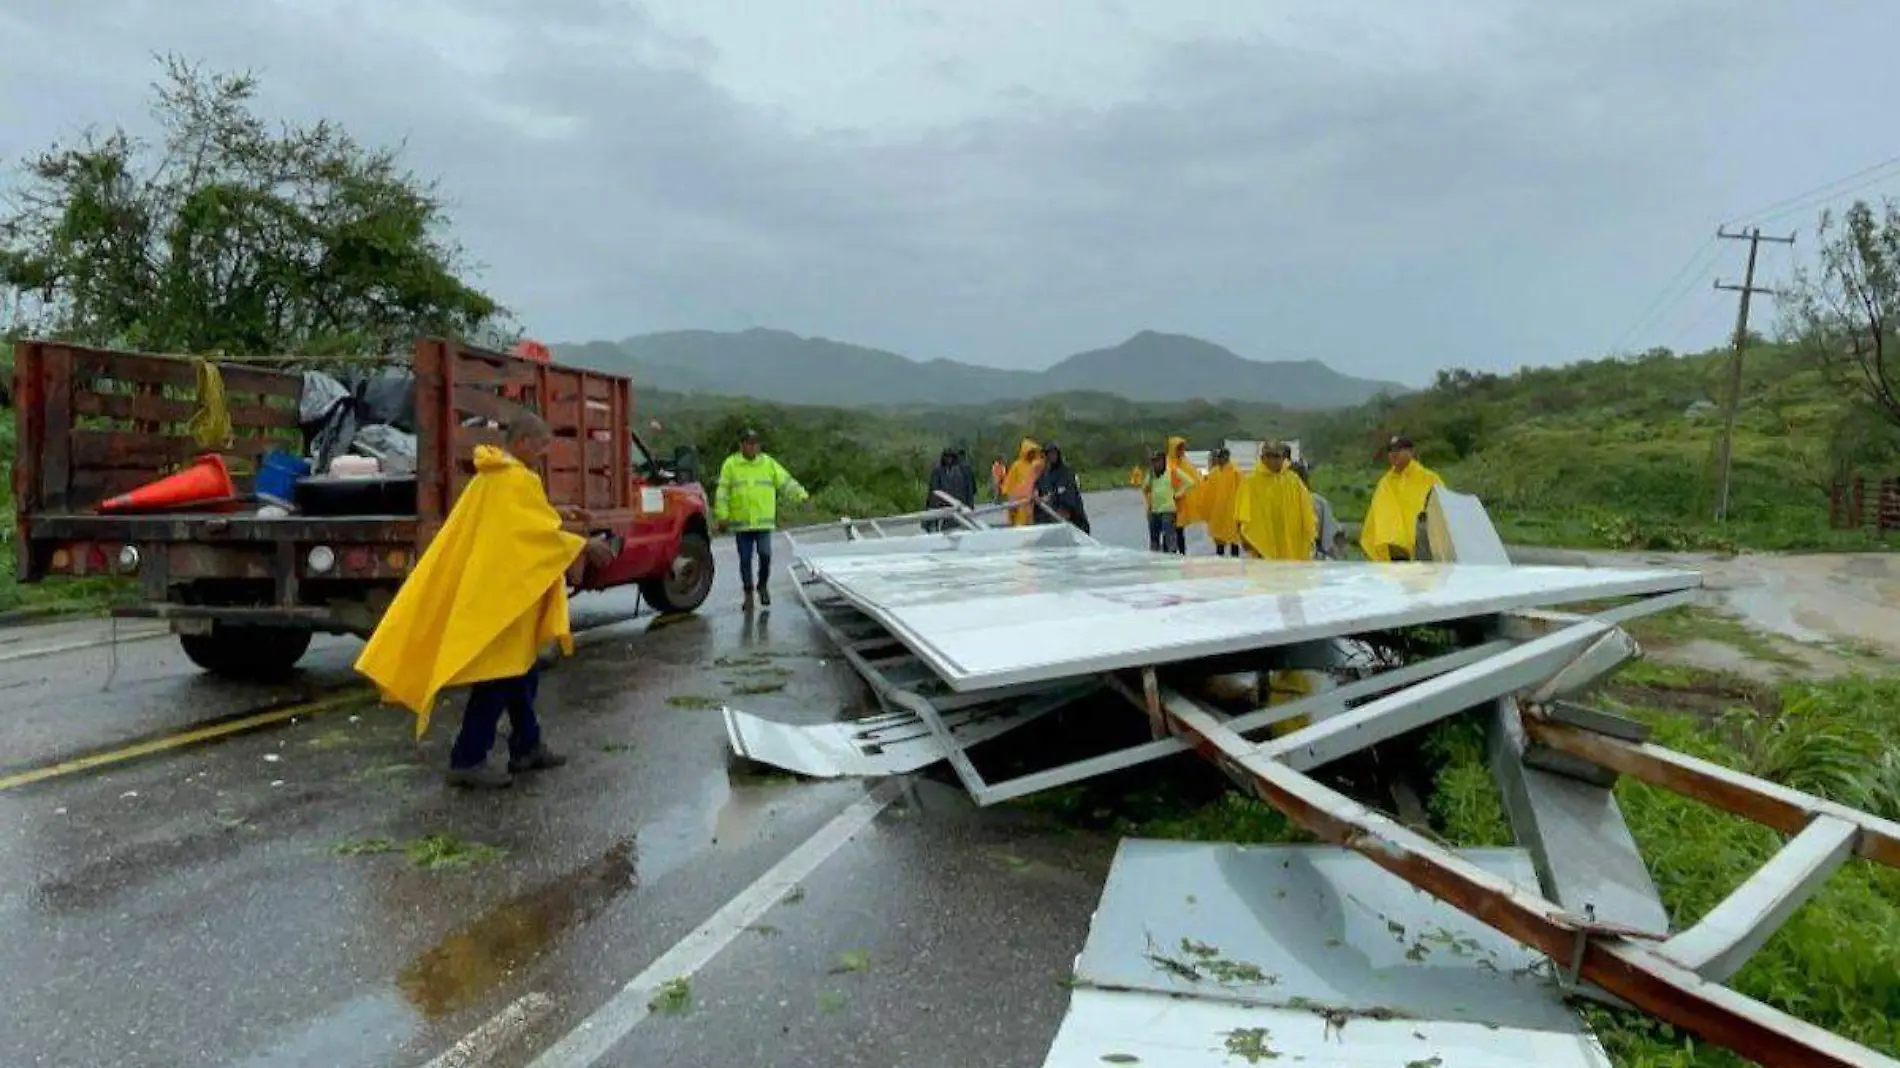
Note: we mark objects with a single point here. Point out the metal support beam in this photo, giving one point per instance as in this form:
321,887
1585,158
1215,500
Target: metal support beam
1607,957
1722,941
1318,706
1587,860
1526,624
1369,724
1591,667
1770,804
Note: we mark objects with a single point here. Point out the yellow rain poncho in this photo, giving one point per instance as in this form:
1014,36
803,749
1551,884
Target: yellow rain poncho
1275,511
1219,493
486,597
1392,518
1020,483
1189,505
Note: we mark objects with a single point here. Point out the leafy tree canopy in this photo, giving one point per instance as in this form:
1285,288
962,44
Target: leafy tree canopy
232,234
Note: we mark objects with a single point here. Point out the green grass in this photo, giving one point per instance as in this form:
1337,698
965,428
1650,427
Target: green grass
1681,625
1837,961
1609,454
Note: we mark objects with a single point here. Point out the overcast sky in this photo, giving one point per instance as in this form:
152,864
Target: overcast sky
1392,186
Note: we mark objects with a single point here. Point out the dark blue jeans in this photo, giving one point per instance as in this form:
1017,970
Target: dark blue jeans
749,542
1163,535
486,703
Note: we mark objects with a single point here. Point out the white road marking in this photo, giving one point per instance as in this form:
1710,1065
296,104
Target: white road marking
590,1041
479,1046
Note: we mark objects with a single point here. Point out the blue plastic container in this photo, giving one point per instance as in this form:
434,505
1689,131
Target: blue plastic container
277,477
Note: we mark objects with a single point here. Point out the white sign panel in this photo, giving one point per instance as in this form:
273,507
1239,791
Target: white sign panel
982,619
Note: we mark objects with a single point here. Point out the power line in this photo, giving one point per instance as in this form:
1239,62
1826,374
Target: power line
1679,285
1672,292
1683,335
1825,192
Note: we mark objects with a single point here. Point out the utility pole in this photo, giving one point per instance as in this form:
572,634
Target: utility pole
1725,448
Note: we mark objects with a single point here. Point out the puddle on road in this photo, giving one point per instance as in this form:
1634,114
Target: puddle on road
489,950
463,967
361,1031
725,809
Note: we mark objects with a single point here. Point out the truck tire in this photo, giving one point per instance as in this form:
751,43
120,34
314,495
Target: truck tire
249,653
687,582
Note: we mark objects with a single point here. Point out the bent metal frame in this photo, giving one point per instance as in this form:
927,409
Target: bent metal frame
1528,661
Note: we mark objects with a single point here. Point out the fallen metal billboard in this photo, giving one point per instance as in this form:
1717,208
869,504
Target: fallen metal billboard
983,619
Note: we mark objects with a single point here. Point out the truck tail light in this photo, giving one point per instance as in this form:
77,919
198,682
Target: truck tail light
128,559
62,559
321,559
398,560
358,559
95,558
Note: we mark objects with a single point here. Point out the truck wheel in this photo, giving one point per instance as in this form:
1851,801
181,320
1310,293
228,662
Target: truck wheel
250,653
687,582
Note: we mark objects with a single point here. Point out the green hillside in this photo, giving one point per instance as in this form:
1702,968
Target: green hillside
1620,452
1615,453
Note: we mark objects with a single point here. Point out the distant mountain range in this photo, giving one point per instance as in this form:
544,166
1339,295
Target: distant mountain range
780,366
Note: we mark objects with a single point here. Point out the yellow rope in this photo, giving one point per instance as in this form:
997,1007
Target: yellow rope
210,425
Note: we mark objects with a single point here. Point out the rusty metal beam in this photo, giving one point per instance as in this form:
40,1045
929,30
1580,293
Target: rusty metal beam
1766,803
1610,958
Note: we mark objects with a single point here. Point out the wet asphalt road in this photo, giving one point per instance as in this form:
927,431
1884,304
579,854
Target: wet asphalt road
252,901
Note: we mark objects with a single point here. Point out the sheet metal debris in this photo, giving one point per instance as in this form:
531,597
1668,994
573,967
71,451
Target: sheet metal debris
1200,954
888,744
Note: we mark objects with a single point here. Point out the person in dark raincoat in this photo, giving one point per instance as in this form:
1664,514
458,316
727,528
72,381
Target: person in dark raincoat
951,476
1060,491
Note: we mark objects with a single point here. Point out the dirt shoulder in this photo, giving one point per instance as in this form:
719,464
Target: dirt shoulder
1771,617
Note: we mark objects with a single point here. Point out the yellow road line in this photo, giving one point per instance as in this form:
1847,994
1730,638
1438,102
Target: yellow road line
195,735
192,736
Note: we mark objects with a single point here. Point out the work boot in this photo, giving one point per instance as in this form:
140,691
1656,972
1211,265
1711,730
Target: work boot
746,605
541,759
765,597
480,777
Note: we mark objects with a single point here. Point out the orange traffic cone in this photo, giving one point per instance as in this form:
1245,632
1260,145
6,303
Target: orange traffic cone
206,479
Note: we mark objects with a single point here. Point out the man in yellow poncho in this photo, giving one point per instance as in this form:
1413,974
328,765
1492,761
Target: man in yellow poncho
1020,483
1220,492
1275,509
1189,509
487,597
1391,528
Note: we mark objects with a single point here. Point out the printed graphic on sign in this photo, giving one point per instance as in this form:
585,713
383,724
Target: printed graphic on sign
652,499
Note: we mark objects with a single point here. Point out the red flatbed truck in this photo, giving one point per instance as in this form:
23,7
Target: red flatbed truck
244,591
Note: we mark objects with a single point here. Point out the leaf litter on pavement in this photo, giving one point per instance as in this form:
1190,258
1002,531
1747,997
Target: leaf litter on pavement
674,998
852,960
431,852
